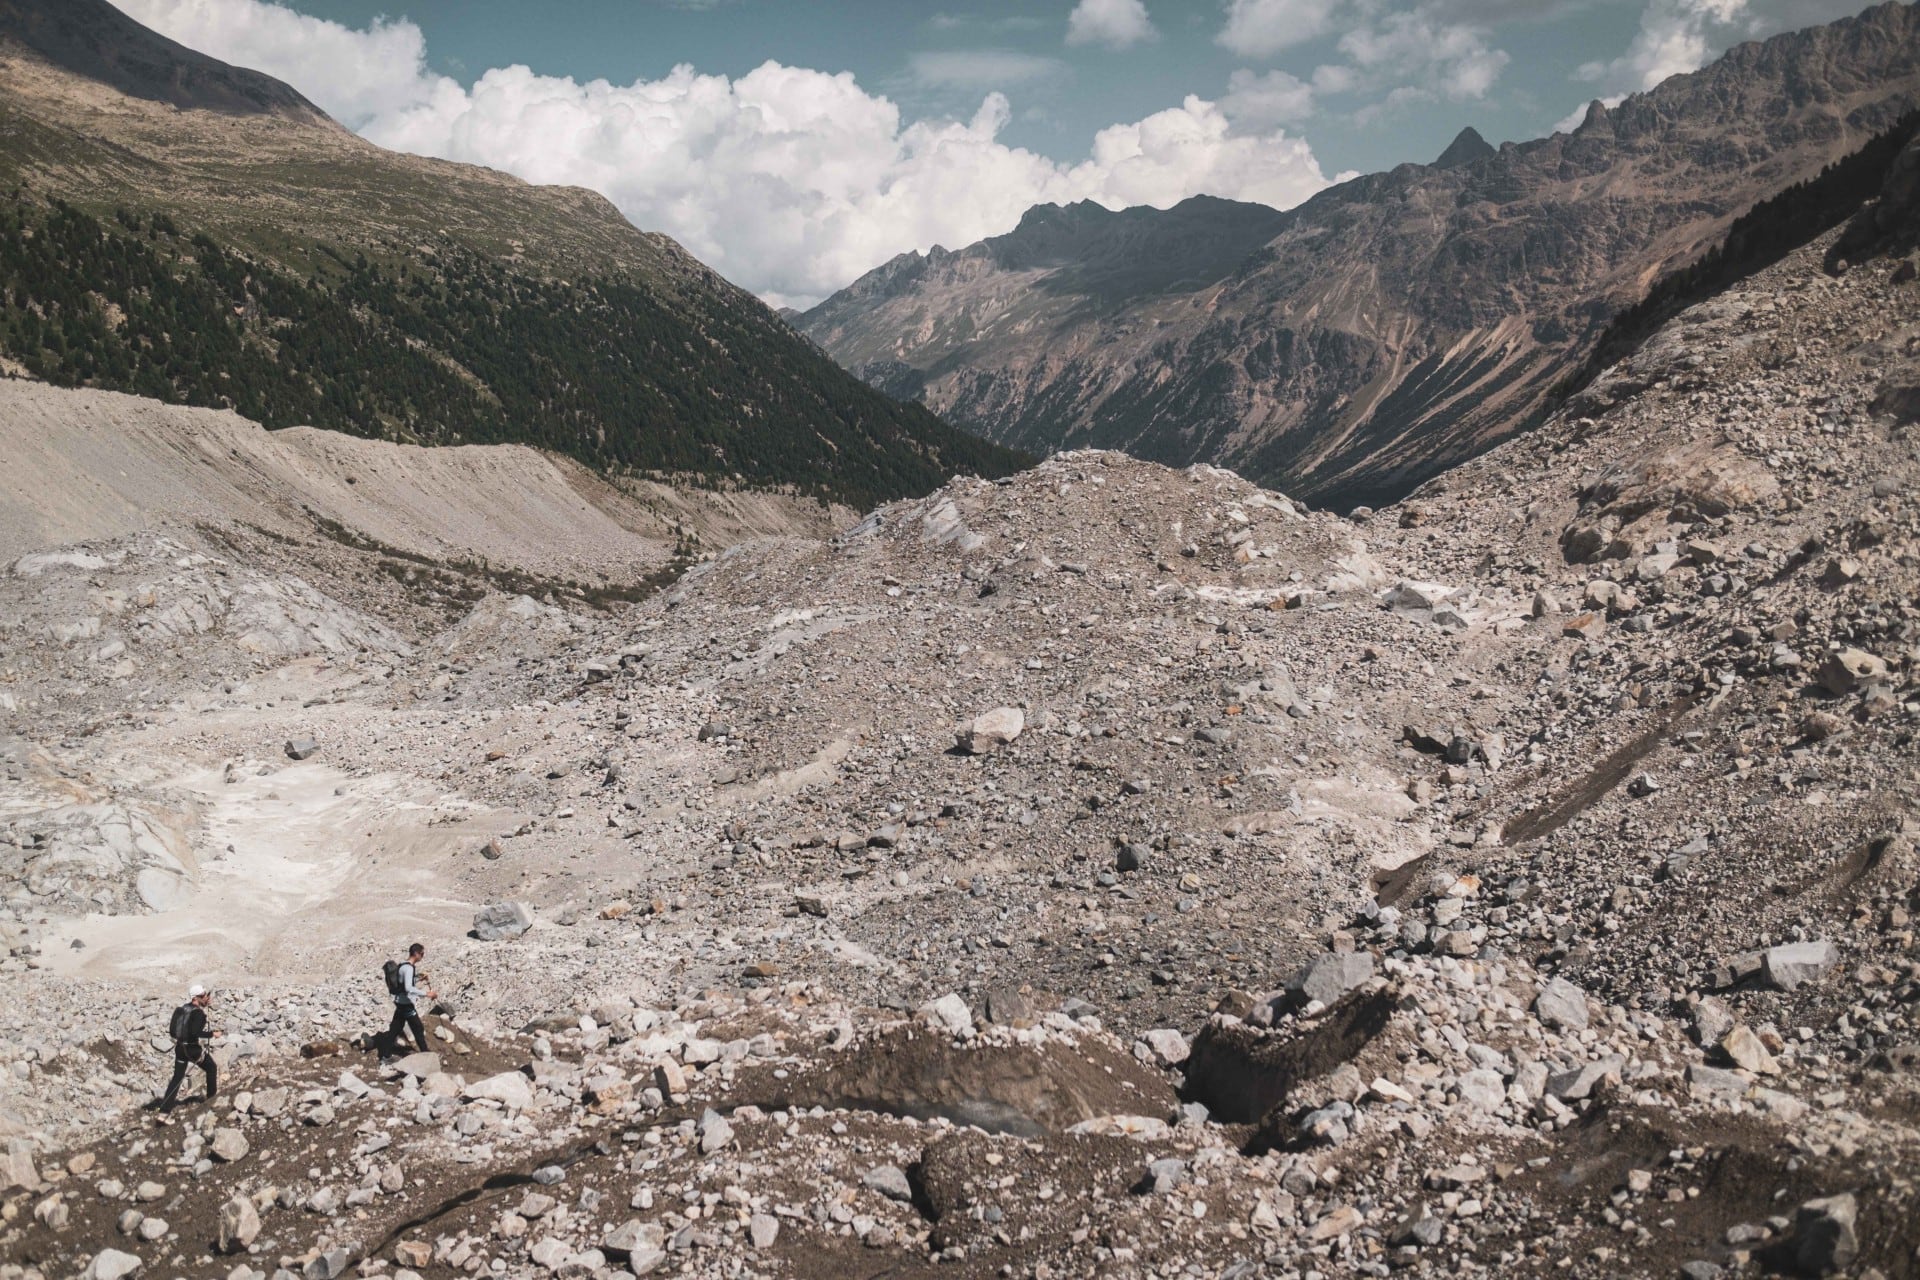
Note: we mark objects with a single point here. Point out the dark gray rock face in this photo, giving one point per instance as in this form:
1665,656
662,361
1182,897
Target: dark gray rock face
1466,148
1354,346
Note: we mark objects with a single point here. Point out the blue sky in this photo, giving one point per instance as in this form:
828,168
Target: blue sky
793,144
936,60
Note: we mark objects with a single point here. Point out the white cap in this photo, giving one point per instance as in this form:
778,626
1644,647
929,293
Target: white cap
195,991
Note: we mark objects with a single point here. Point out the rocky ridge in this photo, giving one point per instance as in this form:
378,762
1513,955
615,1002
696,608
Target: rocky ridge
1388,327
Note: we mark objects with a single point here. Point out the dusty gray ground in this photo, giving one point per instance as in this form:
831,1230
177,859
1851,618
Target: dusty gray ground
1520,880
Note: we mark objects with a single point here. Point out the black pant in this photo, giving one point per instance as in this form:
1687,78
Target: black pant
182,1059
406,1018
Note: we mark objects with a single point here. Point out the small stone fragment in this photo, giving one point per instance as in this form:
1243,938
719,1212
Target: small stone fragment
890,1181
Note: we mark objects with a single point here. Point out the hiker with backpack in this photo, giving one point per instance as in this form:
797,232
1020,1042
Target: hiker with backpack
188,1027
403,984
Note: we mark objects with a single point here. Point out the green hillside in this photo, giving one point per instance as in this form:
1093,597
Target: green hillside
274,264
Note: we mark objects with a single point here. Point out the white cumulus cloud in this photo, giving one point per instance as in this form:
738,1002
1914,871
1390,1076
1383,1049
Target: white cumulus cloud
1191,149
1674,37
1426,56
787,180
1262,28
1118,24
354,76
1259,101
1429,50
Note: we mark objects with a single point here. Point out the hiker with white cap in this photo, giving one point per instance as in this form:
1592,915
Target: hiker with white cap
405,983
188,1027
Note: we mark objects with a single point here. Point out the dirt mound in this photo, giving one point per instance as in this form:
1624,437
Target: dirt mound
1024,1089
87,465
1239,1077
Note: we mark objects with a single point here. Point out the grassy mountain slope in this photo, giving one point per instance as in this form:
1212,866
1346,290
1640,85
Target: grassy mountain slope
201,234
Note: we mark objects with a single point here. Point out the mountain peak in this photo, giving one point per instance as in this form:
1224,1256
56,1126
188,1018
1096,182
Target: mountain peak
1049,215
94,40
1466,147
1389,326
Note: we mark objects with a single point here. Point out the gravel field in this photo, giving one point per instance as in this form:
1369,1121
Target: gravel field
1109,871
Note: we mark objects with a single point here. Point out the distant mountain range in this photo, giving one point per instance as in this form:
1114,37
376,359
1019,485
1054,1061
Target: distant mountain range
201,233
1392,325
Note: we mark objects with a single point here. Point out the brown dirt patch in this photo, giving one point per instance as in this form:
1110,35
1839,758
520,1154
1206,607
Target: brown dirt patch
1019,1089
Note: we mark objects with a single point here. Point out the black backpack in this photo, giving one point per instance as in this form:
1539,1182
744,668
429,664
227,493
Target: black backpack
391,972
177,1025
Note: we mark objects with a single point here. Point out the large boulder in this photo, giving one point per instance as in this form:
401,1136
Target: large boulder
16,1166
1332,974
1580,1081
1847,670
330,1265
239,1224
950,1014
417,1065
110,1264
1824,1239
1631,504
714,1132
633,1238
1562,1006
229,1144
1163,1047
510,1089
1898,395
1795,964
498,921
1408,596
993,730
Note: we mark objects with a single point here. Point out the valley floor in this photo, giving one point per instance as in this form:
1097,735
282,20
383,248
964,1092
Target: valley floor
1111,870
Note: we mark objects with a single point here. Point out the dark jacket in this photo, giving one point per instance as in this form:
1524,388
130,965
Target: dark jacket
188,1046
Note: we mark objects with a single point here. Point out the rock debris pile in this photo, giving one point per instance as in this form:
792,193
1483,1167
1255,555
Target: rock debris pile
1111,870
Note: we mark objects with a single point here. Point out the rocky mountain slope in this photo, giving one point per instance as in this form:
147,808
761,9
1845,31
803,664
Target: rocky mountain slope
1386,328
1110,870
198,233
